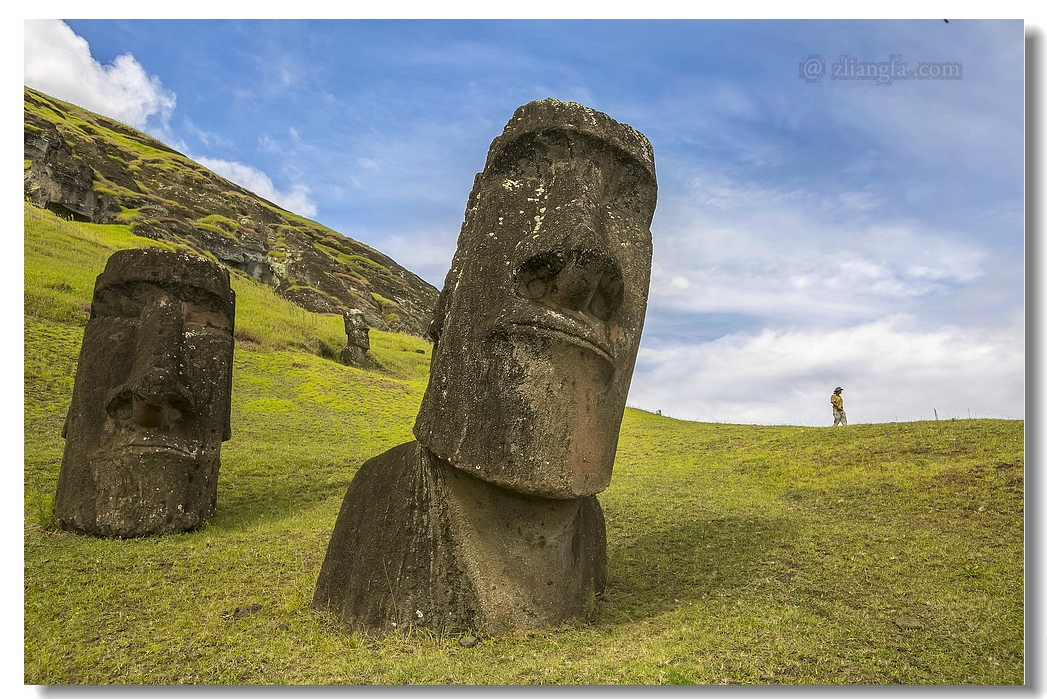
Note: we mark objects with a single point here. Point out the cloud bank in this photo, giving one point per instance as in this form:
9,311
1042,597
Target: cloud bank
59,62
765,298
889,371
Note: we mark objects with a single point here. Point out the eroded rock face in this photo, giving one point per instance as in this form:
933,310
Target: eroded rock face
85,166
151,399
57,181
358,340
489,520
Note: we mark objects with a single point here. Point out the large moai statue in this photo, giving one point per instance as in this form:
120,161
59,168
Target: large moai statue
358,340
489,520
151,400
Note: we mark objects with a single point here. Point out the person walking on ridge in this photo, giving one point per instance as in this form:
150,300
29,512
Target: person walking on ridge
839,416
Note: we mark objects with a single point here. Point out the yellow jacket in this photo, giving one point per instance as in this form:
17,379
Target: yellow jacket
837,401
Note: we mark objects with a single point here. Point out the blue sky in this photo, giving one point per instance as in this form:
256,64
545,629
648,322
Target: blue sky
808,234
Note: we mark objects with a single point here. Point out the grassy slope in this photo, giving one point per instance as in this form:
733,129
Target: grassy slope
737,553
159,173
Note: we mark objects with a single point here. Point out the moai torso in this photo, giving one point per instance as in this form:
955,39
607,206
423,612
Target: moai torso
536,333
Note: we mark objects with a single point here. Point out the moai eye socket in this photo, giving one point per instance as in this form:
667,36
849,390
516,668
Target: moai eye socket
199,316
633,192
123,301
121,406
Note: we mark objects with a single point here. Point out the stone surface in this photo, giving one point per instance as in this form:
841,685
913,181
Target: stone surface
358,341
245,611
151,399
57,181
908,623
489,520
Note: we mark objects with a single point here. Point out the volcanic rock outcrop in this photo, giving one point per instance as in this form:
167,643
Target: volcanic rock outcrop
489,520
151,399
87,167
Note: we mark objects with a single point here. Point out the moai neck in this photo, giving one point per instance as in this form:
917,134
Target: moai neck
532,561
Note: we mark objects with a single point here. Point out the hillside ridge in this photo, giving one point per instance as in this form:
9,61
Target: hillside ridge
91,168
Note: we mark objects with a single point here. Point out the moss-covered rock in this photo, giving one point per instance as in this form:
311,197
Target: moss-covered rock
87,167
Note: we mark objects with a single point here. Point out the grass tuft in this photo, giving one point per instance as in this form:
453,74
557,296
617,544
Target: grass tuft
45,512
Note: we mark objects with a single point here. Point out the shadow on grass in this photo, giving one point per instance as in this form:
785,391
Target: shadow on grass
653,566
247,498
672,563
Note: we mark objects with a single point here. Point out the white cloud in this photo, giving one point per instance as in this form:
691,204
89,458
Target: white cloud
730,248
265,143
296,200
59,62
889,370
862,201
426,253
905,316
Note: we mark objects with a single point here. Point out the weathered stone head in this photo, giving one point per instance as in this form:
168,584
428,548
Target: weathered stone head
489,520
358,340
539,321
151,400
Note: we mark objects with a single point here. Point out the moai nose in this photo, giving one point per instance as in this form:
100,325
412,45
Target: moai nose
152,411
154,395
577,281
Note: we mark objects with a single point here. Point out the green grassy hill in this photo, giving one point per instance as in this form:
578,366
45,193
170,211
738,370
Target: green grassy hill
87,167
887,553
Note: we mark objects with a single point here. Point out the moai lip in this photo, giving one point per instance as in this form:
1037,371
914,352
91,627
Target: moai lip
151,399
489,520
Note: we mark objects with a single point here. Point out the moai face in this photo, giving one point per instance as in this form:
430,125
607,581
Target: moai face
356,329
151,399
539,321
357,339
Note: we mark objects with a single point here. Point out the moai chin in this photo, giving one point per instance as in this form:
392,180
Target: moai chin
151,399
358,341
489,520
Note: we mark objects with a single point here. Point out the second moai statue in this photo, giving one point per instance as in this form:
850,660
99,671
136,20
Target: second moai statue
489,520
358,341
151,399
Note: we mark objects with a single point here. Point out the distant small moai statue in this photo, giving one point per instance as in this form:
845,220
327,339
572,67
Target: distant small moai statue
151,399
489,520
358,341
